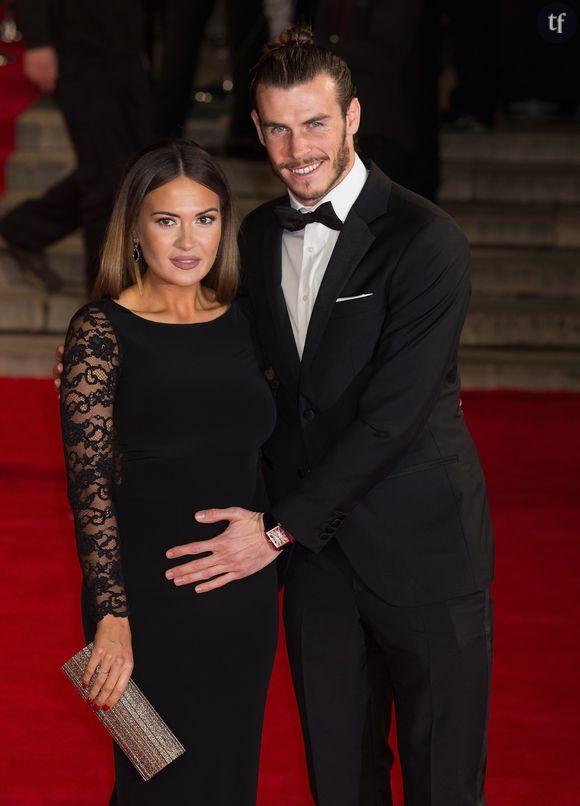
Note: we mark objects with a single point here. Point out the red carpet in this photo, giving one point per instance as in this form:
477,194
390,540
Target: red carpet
54,752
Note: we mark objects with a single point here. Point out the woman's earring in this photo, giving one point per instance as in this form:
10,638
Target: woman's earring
136,254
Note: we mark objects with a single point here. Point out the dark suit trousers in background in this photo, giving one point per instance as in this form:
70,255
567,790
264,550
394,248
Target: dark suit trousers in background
108,112
184,23
438,658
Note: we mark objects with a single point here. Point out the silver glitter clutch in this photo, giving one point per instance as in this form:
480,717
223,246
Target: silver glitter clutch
133,723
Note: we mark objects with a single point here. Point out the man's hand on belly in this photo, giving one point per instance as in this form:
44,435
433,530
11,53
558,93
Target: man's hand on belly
239,551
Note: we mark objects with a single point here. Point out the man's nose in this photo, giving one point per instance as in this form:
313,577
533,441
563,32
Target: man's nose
299,146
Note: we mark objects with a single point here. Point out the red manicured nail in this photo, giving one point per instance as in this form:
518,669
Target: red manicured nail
89,701
106,707
84,685
96,707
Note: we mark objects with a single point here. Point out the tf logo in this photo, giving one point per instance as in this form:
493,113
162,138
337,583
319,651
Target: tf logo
557,23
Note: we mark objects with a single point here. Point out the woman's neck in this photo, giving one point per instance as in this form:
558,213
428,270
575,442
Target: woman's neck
170,303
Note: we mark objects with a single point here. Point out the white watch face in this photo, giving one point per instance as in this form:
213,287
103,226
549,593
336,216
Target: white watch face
277,537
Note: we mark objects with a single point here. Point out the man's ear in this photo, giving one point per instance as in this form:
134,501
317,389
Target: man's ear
257,124
353,117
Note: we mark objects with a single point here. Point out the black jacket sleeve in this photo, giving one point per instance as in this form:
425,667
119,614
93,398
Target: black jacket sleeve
428,301
34,20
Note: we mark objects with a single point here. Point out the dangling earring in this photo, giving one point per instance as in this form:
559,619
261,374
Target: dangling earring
136,255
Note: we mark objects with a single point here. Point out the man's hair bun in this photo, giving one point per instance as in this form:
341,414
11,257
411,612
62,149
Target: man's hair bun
297,36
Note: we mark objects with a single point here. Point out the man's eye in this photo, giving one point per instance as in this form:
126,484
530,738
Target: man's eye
315,124
277,129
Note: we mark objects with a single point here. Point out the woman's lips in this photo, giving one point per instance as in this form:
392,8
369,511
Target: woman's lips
185,263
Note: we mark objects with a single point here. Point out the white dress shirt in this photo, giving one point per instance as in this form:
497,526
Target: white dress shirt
306,252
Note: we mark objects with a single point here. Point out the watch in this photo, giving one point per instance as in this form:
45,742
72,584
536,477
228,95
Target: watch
276,533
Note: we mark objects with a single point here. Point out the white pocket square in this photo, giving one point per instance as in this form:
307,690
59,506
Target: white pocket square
358,296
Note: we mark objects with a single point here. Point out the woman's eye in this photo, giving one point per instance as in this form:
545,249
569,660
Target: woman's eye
206,219
165,222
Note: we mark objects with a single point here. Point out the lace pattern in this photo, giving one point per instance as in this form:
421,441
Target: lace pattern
89,381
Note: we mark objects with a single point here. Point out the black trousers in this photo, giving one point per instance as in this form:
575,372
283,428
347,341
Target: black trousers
184,24
437,660
108,109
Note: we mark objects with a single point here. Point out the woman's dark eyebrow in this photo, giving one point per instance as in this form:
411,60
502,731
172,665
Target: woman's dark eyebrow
176,215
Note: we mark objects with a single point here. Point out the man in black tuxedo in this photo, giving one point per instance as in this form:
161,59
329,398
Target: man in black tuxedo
360,289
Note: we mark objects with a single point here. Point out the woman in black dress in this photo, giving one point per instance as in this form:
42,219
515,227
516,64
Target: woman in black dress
164,409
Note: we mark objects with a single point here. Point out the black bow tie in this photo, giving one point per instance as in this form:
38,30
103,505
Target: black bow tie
293,220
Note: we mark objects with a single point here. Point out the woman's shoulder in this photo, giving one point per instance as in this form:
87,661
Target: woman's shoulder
92,318
95,310
91,338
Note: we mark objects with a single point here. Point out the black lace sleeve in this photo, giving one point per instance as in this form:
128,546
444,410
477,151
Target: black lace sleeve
89,381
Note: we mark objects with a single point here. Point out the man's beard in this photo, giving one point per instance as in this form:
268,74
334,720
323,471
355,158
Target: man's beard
340,164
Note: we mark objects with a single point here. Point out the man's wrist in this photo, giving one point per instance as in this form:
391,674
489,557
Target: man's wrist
275,533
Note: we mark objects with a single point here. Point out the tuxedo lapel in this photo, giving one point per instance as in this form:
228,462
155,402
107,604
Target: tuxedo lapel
354,241
272,262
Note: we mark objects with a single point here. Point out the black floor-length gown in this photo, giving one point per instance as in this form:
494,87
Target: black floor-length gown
161,420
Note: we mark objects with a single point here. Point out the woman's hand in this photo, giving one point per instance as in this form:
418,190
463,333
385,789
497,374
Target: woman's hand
113,654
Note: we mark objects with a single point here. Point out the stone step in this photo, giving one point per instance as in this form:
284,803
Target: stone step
526,272
65,257
42,128
548,144
522,183
501,225
26,309
254,180
28,355
34,172
515,322
538,370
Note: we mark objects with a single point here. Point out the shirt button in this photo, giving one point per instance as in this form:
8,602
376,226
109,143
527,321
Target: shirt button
305,298
310,249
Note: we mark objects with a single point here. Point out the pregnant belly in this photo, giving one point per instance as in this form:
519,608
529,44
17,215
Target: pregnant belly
156,508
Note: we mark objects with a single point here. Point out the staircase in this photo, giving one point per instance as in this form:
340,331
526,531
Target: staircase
515,192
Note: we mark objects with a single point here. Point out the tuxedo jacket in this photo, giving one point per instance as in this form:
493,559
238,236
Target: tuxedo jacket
370,447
